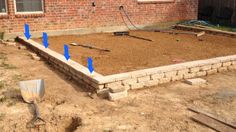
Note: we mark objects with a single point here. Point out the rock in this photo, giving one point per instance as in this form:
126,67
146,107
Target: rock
21,47
8,43
196,81
123,127
117,96
117,89
60,102
36,58
91,95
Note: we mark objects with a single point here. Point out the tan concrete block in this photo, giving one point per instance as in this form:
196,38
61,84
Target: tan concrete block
98,86
177,77
225,64
144,79
212,71
194,69
129,81
117,96
118,77
170,74
127,86
233,67
102,91
205,68
117,89
196,81
222,69
182,72
164,80
36,57
113,84
189,75
138,74
233,62
151,83
201,73
216,65
67,68
157,76
137,85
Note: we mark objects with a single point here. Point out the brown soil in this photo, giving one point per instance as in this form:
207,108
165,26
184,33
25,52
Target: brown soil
128,54
66,106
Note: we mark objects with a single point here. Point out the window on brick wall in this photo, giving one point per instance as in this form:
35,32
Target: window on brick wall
29,6
3,6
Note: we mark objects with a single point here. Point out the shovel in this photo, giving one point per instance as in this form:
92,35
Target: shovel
32,91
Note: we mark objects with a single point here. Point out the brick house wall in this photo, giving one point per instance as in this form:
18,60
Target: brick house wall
71,14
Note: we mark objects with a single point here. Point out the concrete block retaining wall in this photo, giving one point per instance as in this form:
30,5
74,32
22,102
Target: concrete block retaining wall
165,74
136,79
58,61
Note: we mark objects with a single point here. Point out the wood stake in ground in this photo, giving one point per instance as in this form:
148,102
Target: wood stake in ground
90,47
189,33
212,121
194,109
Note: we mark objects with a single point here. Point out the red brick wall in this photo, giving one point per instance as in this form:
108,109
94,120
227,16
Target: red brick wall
71,14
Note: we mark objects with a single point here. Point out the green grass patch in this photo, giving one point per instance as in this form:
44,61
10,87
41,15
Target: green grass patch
7,66
3,98
17,77
3,64
1,85
3,56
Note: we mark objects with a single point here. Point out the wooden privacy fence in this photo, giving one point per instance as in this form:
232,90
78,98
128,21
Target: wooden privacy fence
218,5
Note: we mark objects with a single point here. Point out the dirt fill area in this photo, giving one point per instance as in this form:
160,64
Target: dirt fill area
66,106
129,54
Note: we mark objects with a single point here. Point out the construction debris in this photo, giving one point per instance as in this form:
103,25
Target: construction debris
117,89
21,47
126,33
90,47
91,95
207,30
212,121
35,56
196,81
117,96
213,124
188,33
200,34
8,43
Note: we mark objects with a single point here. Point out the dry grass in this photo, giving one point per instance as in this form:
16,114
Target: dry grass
3,59
1,85
2,116
7,66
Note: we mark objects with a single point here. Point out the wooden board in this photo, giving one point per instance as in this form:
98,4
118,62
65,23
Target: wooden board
212,123
210,31
213,116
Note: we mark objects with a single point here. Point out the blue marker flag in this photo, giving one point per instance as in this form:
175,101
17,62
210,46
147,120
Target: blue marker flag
66,52
45,40
27,31
90,65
